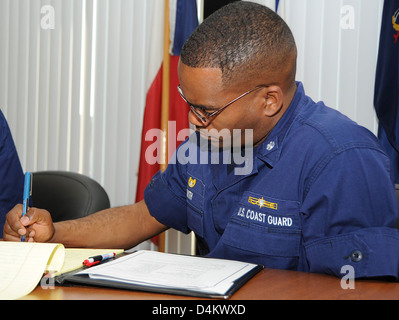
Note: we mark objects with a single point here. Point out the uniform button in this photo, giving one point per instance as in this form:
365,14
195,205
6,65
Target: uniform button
356,256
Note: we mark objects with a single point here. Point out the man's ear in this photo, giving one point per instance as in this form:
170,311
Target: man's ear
273,101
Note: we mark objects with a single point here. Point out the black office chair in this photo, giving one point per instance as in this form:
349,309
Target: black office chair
67,195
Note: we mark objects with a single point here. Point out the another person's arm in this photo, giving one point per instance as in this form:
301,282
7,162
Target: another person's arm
11,174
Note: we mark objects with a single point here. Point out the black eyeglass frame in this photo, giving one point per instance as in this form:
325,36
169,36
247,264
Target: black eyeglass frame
207,116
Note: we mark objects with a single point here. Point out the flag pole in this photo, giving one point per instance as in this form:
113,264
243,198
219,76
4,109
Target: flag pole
165,88
193,239
165,104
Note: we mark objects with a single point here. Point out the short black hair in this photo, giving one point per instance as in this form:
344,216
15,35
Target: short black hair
241,38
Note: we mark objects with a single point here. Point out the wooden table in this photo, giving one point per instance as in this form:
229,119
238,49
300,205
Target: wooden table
269,284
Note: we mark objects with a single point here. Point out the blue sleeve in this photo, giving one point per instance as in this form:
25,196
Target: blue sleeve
11,174
165,197
349,215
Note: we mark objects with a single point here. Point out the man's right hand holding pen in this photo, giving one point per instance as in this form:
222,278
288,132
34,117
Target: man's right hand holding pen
36,225
119,227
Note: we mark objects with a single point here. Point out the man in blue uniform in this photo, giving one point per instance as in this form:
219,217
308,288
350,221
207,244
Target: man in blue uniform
310,192
11,175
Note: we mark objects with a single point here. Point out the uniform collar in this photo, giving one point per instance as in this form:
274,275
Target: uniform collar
269,150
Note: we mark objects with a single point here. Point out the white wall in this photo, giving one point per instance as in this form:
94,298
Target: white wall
338,52
74,95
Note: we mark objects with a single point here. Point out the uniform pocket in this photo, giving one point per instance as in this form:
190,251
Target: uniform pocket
255,238
195,205
264,230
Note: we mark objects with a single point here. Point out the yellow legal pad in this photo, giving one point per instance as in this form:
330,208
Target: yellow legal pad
23,264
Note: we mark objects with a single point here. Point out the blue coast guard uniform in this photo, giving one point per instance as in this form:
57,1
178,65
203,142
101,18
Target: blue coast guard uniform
319,197
11,174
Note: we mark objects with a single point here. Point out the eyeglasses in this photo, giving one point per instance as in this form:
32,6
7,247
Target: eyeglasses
206,116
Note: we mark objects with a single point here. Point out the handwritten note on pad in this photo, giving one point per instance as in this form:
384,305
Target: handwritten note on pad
23,263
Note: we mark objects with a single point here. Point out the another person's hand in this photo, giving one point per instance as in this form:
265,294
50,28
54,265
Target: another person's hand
36,225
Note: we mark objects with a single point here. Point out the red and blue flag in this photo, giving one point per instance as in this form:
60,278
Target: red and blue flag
386,92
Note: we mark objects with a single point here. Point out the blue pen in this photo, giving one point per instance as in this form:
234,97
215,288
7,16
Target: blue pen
27,194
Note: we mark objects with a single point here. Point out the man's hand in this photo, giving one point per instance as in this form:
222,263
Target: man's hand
36,225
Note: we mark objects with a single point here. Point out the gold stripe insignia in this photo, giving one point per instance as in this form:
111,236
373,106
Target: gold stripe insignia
262,203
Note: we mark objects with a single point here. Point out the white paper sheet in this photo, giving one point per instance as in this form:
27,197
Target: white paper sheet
156,269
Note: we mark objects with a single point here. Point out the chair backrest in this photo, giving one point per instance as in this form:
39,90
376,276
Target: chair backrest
67,195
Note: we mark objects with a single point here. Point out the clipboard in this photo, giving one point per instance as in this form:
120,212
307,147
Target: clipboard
233,282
